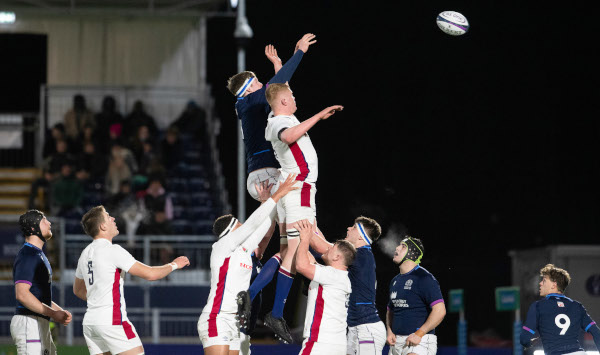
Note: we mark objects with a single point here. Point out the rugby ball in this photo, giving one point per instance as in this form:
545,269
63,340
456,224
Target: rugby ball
452,23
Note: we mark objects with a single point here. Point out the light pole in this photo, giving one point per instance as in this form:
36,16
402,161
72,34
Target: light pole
243,33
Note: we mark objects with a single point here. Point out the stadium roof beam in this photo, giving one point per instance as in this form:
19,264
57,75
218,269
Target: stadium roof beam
141,8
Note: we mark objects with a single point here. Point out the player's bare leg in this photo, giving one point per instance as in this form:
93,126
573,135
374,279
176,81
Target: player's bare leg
135,351
218,350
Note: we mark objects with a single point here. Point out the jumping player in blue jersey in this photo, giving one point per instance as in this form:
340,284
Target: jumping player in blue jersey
366,332
32,274
557,319
252,110
416,305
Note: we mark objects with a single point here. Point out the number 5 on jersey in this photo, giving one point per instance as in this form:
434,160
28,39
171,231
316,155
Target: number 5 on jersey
91,272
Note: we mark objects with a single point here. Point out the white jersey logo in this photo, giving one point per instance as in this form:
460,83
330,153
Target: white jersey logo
408,284
393,295
560,304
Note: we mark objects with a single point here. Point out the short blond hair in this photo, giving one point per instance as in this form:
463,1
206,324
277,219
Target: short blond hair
274,90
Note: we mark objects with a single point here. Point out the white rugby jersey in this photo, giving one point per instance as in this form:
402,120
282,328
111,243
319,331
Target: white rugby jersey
102,266
299,157
327,306
231,263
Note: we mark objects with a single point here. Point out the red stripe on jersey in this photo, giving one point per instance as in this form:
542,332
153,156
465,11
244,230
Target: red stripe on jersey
116,293
299,158
216,307
317,316
305,195
308,348
128,330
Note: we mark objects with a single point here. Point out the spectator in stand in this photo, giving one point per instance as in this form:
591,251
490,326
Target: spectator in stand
156,198
171,149
107,118
77,118
67,192
121,202
118,169
192,120
141,144
91,165
57,133
137,118
50,171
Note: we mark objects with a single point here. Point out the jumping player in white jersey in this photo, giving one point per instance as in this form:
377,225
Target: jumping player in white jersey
99,281
231,269
416,305
366,332
296,155
328,294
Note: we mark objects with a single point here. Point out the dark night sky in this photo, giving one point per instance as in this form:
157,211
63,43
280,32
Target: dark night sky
477,144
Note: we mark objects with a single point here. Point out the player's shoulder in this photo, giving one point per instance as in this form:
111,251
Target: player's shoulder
28,252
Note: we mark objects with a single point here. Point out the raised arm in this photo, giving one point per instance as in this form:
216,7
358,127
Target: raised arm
292,134
319,243
153,273
261,214
284,74
271,54
303,264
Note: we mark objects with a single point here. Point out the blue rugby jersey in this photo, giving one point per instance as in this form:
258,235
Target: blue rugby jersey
33,268
411,297
253,110
362,309
557,320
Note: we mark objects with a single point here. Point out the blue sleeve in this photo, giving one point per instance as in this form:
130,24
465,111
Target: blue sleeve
287,70
432,292
588,324
530,326
25,267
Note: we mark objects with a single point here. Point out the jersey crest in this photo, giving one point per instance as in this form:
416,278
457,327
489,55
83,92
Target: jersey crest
560,304
408,284
393,295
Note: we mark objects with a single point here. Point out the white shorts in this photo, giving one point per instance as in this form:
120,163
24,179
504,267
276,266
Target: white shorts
366,339
317,348
31,335
114,338
427,346
266,174
300,204
225,331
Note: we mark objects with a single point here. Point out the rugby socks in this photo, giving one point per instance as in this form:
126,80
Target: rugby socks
284,284
264,276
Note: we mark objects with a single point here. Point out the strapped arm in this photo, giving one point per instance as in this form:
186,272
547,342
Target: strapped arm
256,219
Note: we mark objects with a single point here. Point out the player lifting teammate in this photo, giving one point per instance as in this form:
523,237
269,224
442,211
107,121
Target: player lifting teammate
296,155
99,281
32,275
557,319
366,331
231,269
252,110
328,293
416,305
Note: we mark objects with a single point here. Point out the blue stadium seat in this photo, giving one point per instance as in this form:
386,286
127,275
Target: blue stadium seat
181,226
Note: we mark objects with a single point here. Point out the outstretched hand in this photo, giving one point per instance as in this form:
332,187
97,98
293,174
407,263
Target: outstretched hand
305,228
264,190
285,187
271,54
182,262
305,42
328,112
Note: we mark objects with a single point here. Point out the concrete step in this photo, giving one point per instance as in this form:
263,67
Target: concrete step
7,203
15,189
14,174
